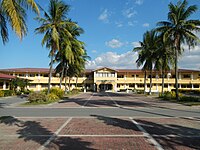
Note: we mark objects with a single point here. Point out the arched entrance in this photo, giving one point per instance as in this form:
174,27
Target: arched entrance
105,87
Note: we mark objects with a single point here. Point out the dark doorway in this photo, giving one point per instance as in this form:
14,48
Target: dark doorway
105,87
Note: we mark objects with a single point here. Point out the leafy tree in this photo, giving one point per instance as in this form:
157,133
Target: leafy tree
146,54
164,57
53,27
180,30
14,12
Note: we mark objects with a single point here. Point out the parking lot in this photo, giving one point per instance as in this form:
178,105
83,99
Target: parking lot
101,128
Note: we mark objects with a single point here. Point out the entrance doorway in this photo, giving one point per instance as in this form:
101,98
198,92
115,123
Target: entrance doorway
105,87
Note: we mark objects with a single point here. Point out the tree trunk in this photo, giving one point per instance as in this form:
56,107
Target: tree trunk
50,74
162,91
76,81
61,77
176,73
150,82
69,83
65,84
145,76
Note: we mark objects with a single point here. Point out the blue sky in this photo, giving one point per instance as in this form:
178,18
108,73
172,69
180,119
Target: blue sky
112,29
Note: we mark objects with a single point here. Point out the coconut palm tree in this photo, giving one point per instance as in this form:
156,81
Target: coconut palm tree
53,27
146,54
164,57
14,12
180,29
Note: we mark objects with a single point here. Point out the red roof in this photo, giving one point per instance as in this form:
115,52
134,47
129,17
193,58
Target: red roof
28,70
46,70
5,76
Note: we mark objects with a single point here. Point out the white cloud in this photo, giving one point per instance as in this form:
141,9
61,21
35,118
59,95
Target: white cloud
104,16
114,60
146,25
190,58
119,24
94,51
130,12
135,44
139,2
114,43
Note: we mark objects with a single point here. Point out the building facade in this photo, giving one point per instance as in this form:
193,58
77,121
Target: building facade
106,79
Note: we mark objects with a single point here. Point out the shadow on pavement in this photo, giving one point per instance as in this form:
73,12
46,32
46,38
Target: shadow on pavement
31,131
125,124
185,137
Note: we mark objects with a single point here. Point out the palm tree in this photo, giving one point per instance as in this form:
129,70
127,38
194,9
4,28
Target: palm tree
180,30
14,12
54,27
146,54
165,58
70,49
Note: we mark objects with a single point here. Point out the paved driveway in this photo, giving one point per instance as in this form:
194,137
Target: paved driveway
101,121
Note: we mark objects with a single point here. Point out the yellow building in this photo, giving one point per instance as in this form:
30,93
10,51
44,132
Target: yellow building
104,79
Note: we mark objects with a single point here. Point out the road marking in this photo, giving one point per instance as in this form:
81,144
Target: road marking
54,135
113,100
87,100
106,135
150,138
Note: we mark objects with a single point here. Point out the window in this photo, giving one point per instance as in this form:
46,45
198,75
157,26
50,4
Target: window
120,76
183,86
32,75
22,75
118,85
196,86
140,85
44,85
131,85
32,86
186,76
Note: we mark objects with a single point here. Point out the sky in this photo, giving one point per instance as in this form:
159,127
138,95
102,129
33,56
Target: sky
112,29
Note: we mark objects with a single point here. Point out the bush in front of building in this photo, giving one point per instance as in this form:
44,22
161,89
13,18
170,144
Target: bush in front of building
8,92
37,97
57,91
1,93
52,97
169,95
189,99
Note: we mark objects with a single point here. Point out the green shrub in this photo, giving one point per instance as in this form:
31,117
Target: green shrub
8,93
44,91
57,91
189,99
52,97
140,91
28,91
1,93
37,97
75,91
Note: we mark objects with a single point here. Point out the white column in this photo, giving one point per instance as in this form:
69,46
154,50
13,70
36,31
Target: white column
192,86
4,85
192,77
156,87
116,74
168,87
124,77
115,87
135,86
134,76
179,76
179,85
94,87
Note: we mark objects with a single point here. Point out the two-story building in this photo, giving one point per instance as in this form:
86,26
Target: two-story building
105,78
